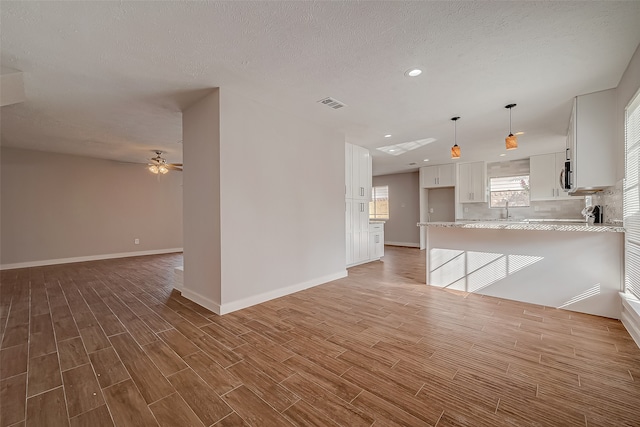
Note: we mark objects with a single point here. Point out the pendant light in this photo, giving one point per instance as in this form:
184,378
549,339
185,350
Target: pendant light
455,150
511,141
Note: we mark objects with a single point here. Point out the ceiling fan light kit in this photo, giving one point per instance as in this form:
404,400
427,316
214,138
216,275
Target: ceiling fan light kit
455,150
511,141
159,165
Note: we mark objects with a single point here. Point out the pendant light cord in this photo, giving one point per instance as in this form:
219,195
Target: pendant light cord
510,133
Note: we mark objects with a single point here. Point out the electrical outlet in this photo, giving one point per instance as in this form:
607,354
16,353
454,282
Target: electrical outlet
136,241
536,208
430,210
466,209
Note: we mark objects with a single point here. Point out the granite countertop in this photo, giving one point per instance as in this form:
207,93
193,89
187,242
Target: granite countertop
526,225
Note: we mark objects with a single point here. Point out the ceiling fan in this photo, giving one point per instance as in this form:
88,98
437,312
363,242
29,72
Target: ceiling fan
159,165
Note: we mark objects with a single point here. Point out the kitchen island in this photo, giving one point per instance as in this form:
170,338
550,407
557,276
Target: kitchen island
572,266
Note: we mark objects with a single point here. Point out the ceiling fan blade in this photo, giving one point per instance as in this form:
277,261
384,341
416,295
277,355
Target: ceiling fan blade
171,166
176,164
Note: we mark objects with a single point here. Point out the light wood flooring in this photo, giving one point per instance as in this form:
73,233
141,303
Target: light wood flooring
109,343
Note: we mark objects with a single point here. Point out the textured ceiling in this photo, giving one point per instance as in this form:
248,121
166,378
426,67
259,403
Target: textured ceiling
108,79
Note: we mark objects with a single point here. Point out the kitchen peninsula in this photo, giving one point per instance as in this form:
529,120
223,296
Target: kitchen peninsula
577,267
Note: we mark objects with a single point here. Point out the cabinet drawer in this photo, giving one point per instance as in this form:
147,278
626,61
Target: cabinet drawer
375,227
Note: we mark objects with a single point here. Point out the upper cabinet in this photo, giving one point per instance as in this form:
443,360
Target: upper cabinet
472,179
360,172
348,175
544,177
438,176
590,141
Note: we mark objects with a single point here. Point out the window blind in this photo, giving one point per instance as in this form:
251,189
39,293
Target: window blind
379,205
631,197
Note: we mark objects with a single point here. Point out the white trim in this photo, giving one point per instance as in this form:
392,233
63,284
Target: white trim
277,293
87,258
200,300
363,262
405,244
631,316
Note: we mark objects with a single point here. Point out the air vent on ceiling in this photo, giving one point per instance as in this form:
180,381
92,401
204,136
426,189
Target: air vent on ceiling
333,103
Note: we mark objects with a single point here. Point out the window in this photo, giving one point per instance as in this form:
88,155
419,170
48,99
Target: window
631,197
512,189
379,204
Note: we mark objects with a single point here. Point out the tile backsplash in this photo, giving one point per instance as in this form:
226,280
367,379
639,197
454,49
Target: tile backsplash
611,201
552,209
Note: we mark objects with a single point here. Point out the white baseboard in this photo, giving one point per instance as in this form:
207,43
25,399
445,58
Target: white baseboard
277,293
363,262
200,300
87,258
631,316
406,244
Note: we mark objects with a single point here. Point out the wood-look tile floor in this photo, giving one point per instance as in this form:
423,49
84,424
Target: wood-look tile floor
109,343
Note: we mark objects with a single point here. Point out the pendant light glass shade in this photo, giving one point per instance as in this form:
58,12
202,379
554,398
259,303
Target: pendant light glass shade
511,141
455,150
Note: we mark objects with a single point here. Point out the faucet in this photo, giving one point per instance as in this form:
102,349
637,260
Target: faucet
506,204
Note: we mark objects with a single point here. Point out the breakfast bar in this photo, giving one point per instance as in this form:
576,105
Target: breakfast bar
572,266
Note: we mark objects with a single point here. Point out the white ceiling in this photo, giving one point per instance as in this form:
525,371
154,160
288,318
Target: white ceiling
108,79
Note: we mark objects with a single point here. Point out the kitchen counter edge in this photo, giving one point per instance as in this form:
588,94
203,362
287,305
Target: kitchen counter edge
596,228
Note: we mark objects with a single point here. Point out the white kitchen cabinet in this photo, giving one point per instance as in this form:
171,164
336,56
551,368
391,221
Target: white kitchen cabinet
360,227
472,186
348,175
360,173
348,213
438,176
591,136
544,177
376,241
357,195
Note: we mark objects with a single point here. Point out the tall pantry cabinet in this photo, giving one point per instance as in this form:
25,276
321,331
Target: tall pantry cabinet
357,197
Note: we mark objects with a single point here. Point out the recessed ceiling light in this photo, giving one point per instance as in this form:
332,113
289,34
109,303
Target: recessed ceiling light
519,133
425,160
502,155
388,135
392,150
414,72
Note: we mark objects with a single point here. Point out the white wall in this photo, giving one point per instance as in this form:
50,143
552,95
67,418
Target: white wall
57,208
404,208
201,157
282,202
